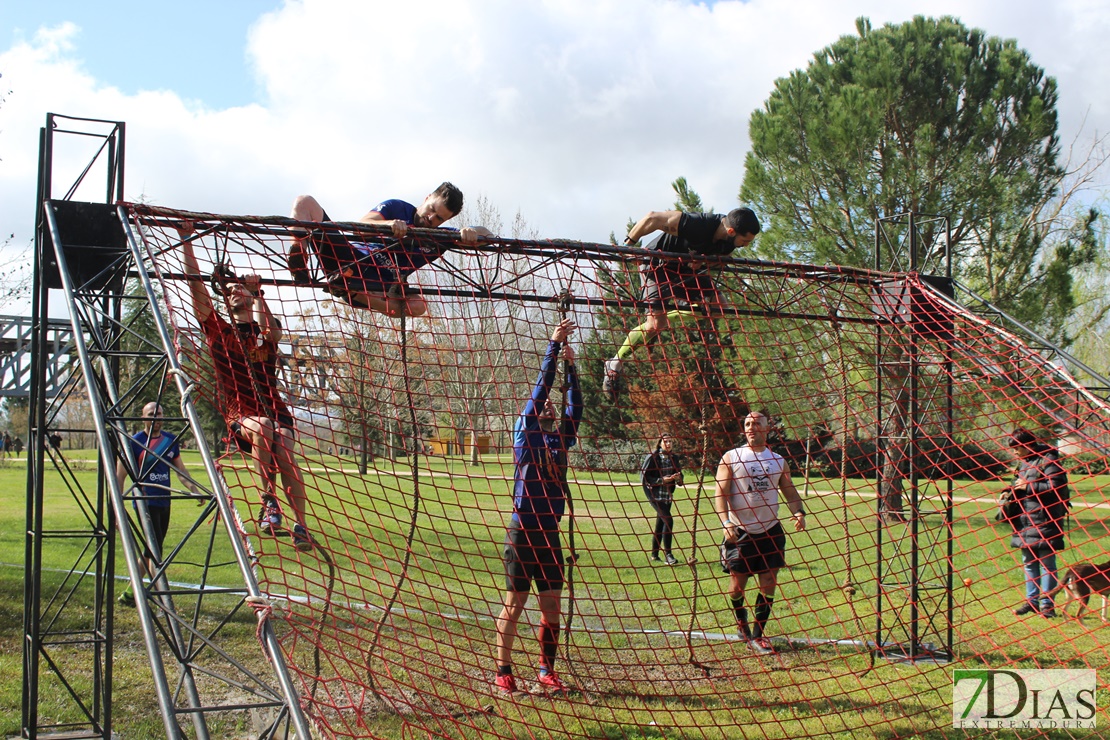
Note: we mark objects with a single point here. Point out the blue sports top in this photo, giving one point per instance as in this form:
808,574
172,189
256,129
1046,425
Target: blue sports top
153,468
414,254
540,475
396,210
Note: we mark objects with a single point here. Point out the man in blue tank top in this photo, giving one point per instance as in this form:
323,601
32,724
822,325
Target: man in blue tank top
373,274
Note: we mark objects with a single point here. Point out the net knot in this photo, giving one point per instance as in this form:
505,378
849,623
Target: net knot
190,386
563,298
263,610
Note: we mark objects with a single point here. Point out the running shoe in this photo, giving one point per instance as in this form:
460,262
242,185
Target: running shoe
611,383
269,520
506,683
302,540
550,682
762,646
297,262
671,560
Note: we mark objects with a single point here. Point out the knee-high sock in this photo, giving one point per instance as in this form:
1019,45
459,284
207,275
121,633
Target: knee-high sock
762,613
741,614
640,335
635,338
549,644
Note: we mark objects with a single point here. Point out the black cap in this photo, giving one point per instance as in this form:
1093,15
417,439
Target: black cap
1022,437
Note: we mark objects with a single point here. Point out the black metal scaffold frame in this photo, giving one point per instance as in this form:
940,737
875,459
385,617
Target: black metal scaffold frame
89,252
913,545
55,629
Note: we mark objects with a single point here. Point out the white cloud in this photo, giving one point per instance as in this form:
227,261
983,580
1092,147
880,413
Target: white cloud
578,113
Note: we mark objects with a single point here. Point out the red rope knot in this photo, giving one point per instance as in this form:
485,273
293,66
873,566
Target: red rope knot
263,610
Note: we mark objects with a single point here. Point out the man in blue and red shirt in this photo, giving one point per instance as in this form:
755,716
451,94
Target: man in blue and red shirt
533,552
373,274
155,452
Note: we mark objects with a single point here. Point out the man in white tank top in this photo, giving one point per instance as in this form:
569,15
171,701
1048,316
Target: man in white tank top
750,480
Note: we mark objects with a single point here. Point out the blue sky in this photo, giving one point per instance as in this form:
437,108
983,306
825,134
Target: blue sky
578,114
196,48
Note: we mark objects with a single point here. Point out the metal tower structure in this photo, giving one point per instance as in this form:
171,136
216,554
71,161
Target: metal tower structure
15,356
67,647
88,257
914,601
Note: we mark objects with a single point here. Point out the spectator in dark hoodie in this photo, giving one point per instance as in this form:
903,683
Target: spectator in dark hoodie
660,473
1036,505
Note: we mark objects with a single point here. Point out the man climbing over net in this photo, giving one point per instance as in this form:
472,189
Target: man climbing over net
533,551
373,274
675,290
244,355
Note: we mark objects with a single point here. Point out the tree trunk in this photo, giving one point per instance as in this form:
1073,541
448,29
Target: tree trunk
894,442
363,455
475,455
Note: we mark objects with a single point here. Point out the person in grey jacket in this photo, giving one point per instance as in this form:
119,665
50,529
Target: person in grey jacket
660,472
1036,505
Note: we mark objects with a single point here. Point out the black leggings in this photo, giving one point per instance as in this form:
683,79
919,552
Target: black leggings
664,526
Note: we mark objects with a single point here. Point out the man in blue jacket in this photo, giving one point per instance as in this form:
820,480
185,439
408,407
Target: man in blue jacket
533,552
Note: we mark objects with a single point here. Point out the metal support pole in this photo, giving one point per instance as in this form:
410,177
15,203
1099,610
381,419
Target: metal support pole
36,460
914,443
127,538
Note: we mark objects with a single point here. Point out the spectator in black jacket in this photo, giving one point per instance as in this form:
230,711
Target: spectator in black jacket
660,473
1036,504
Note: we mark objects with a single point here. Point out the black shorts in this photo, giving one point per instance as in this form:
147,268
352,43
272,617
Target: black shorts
755,553
347,269
680,286
241,441
160,521
533,556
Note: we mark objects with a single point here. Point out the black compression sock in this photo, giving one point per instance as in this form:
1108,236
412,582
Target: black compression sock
741,614
762,613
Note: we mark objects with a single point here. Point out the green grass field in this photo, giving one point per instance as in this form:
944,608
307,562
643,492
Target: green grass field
639,674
